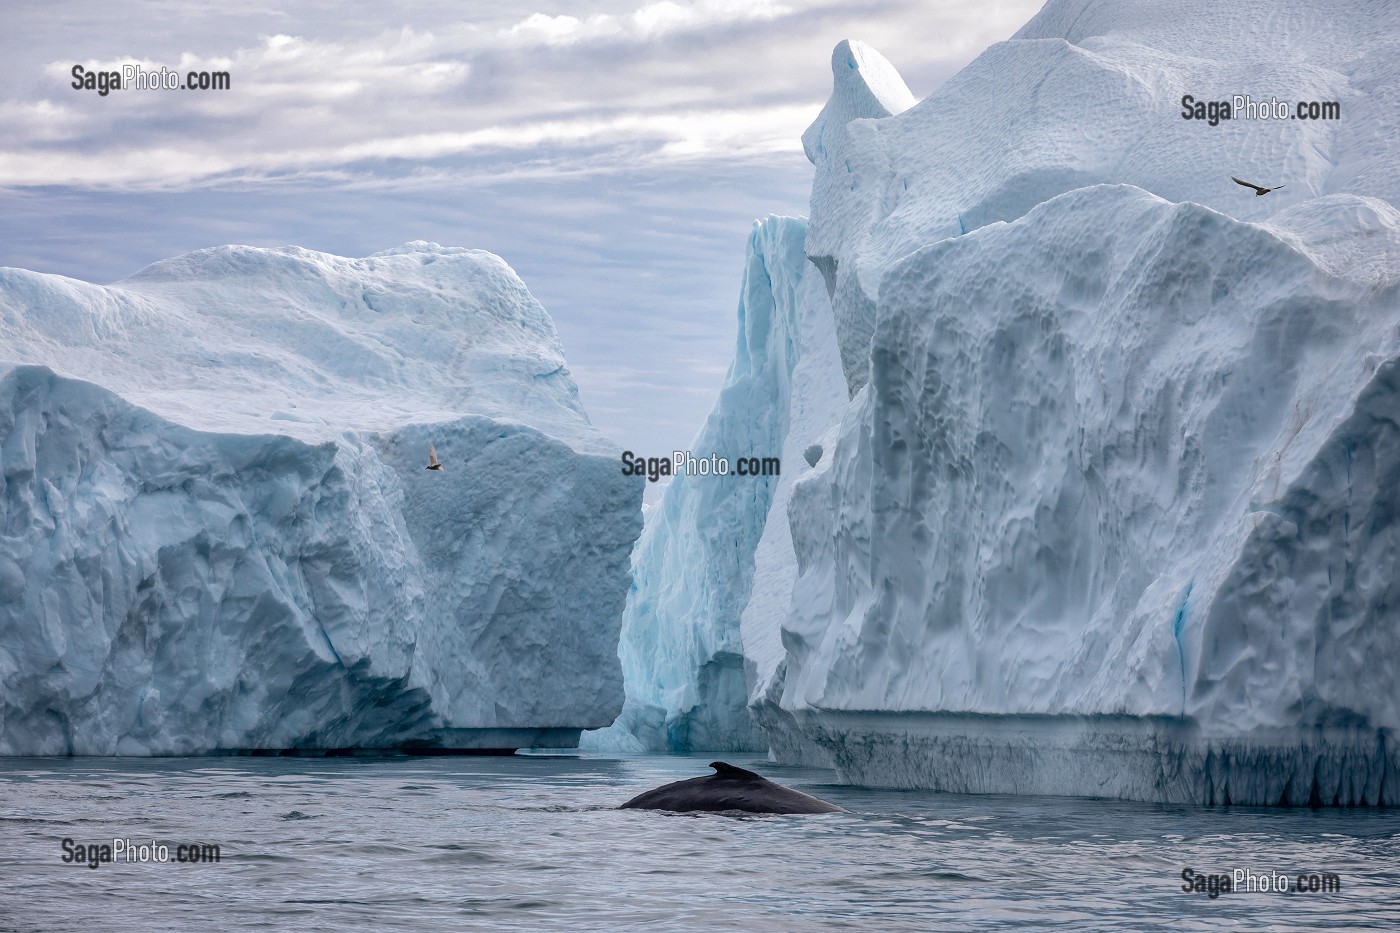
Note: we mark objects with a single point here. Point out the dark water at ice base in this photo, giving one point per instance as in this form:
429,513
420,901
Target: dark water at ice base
534,843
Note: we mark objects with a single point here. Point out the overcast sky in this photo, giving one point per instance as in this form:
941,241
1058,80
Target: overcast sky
614,153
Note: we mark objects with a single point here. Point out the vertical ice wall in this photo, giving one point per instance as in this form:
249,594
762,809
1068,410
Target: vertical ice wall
690,649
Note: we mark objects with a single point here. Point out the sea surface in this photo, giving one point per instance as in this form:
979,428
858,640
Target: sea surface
533,842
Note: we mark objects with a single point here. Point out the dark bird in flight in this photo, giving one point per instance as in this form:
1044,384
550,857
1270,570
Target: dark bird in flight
433,463
1257,190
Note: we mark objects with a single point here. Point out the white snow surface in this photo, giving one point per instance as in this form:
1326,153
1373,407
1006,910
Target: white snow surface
1090,93
1111,510
217,532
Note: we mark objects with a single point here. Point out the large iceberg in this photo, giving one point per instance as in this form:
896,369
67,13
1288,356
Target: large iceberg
1110,510
217,532
1115,518
1107,508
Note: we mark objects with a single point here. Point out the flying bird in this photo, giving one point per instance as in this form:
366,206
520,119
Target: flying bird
433,463
1257,190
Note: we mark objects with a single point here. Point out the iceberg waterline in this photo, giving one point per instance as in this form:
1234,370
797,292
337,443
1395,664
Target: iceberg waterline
218,532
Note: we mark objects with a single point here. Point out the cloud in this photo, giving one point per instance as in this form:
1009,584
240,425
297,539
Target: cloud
672,136
658,82
648,22
40,121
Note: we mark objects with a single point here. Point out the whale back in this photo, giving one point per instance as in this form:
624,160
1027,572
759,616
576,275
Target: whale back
725,770
729,789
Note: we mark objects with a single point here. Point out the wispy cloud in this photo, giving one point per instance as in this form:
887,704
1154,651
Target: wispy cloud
648,22
669,136
659,82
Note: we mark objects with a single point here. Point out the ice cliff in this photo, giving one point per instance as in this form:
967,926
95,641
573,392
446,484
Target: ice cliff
703,557
1116,518
1110,508
217,532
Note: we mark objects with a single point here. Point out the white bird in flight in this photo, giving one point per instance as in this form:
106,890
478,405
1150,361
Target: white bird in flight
433,463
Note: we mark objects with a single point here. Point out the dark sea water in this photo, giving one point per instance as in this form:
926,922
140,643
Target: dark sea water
534,843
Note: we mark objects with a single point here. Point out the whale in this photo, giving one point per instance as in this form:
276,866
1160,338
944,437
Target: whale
729,789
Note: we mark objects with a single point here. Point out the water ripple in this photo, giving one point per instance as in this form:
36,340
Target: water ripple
532,843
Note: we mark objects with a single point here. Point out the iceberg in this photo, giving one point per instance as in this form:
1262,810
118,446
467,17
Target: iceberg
1094,447
712,570
217,532
1108,512
1115,520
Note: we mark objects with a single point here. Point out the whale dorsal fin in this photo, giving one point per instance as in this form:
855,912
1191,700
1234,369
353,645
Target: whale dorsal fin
725,770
